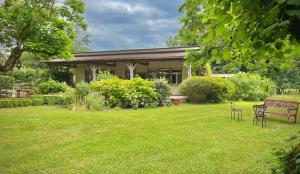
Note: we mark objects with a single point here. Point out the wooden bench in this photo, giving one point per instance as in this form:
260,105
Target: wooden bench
283,108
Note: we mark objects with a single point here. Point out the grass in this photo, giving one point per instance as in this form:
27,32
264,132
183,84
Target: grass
184,139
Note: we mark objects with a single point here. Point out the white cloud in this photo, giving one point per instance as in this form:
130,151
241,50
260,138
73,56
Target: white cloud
161,24
122,24
126,7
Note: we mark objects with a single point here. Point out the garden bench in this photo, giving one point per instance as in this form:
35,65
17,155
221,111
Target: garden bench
282,108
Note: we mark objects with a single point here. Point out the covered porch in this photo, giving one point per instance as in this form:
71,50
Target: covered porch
165,63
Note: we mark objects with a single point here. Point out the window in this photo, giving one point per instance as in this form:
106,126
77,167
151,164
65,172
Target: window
174,77
88,76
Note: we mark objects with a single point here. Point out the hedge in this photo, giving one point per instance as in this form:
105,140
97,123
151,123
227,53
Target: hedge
10,103
35,101
53,100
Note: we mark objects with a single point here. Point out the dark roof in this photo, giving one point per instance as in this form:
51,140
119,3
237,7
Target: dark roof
129,55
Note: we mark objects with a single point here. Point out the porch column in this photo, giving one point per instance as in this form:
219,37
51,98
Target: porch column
131,69
189,71
94,71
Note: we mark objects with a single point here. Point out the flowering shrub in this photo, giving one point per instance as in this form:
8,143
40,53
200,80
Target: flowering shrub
124,93
114,90
141,93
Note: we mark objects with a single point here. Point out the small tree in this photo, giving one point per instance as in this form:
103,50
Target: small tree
205,70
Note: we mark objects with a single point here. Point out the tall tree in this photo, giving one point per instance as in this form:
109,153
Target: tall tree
176,41
253,35
81,41
43,27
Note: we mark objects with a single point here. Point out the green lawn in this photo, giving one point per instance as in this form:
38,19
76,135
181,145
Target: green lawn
184,139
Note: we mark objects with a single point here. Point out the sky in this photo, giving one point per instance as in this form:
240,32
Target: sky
130,24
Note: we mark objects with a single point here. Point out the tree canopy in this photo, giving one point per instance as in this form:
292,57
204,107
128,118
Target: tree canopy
81,42
246,35
44,28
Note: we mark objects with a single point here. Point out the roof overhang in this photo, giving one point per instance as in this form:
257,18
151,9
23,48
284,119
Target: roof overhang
136,56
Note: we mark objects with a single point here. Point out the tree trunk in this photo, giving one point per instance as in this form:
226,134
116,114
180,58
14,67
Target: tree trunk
10,63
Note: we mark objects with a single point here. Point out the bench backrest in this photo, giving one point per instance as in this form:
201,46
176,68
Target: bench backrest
283,104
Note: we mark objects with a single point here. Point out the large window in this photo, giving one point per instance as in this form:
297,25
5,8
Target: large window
88,76
174,77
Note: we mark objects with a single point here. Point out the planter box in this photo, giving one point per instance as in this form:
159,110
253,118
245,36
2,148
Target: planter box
176,101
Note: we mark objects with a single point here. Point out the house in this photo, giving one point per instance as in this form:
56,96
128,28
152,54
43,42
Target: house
147,63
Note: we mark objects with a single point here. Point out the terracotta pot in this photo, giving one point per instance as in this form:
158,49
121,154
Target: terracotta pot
176,101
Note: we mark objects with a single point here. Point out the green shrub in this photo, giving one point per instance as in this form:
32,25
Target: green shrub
82,89
53,100
124,93
207,89
287,157
206,70
115,91
6,82
52,87
163,89
10,103
24,75
252,87
37,102
69,96
94,102
37,96
141,92
104,75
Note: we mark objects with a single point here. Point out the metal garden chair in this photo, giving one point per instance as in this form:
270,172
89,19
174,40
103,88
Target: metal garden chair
235,111
259,115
